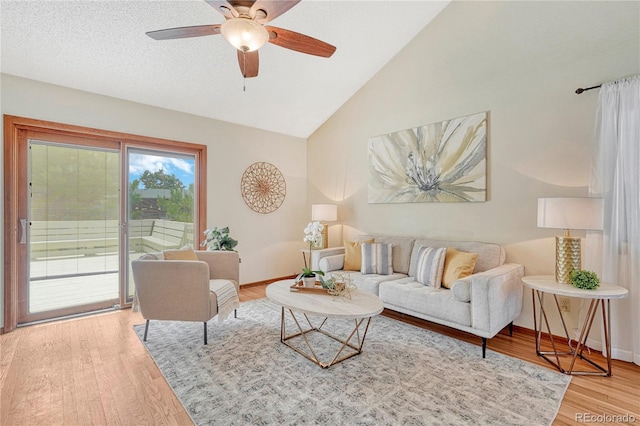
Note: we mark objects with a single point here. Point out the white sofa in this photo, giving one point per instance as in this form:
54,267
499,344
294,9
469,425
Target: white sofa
483,303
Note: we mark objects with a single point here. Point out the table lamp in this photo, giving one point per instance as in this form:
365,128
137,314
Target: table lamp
567,214
324,213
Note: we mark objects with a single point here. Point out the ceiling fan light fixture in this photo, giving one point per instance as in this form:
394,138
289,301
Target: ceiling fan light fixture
244,34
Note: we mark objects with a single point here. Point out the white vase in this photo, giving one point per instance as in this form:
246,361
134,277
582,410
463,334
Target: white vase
309,281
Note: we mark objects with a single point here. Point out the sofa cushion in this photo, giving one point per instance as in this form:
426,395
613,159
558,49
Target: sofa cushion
353,254
331,263
377,258
489,255
369,283
461,290
409,294
457,264
429,267
402,247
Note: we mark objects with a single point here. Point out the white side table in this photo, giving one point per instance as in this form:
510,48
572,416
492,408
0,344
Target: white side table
541,284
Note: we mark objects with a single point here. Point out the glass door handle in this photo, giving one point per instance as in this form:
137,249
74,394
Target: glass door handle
23,233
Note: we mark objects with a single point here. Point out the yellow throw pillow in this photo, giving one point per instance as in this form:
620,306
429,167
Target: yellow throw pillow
185,253
353,255
457,264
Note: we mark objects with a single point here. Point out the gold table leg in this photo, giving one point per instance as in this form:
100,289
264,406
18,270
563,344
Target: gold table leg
356,349
578,352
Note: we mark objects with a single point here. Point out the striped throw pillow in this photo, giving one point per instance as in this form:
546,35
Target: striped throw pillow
376,259
430,265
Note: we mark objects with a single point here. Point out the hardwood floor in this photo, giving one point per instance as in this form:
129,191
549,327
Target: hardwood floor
94,370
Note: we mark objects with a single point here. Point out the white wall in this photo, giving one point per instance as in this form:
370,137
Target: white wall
268,243
521,61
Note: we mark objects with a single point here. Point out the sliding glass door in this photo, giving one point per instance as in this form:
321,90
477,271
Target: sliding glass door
81,203
161,205
73,239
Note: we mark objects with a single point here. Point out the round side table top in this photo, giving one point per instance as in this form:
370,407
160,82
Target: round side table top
361,304
548,284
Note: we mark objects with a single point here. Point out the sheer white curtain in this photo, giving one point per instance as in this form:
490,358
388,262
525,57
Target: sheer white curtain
615,177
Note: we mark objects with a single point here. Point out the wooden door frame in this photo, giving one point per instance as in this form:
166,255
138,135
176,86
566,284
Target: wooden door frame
15,131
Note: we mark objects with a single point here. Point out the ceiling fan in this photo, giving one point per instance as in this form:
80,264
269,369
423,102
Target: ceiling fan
244,28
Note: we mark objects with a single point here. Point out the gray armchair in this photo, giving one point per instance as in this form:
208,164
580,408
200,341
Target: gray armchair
184,290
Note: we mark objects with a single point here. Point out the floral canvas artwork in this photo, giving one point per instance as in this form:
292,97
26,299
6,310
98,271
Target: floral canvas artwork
440,162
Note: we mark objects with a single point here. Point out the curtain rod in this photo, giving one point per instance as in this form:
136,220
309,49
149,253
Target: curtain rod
578,91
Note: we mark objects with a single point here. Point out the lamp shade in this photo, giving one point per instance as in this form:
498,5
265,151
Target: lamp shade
570,213
244,34
324,212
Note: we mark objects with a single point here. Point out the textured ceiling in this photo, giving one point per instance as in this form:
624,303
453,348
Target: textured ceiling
101,47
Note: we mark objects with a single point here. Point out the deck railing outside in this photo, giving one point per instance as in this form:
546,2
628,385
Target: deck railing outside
51,239
74,263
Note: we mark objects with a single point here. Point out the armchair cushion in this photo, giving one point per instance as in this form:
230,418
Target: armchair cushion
185,253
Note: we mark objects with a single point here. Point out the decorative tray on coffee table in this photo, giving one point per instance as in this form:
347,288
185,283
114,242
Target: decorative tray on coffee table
317,289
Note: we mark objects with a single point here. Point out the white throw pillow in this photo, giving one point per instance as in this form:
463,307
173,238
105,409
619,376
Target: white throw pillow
429,266
376,259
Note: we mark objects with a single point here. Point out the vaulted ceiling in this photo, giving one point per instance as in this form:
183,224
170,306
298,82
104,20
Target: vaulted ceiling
101,47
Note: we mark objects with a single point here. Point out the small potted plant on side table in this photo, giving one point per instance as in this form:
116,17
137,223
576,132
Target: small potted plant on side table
583,279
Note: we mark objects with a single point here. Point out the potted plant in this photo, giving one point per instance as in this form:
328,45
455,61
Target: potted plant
308,276
218,239
313,234
584,279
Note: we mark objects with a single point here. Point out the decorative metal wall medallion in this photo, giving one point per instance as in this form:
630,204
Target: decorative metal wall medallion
263,187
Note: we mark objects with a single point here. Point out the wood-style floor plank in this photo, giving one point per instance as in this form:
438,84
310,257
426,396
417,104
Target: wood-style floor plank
94,370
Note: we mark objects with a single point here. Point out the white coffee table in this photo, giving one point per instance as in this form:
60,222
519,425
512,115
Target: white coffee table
361,307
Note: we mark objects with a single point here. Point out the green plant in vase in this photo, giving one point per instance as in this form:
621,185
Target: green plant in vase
584,279
313,234
308,273
218,239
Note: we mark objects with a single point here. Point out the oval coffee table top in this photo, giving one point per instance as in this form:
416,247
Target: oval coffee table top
361,304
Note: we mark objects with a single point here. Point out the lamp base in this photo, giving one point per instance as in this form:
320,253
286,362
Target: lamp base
568,258
325,236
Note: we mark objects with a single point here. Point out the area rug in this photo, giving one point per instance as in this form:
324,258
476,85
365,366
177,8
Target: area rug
405,376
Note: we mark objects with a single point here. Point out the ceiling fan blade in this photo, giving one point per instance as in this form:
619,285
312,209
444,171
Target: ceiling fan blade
299,42
273,8
248,63
224,7
185,32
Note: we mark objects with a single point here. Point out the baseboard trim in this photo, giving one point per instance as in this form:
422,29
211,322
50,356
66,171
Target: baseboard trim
558,339
269,281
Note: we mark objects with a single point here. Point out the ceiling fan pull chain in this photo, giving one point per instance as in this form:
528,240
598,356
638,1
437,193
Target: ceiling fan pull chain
244,70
